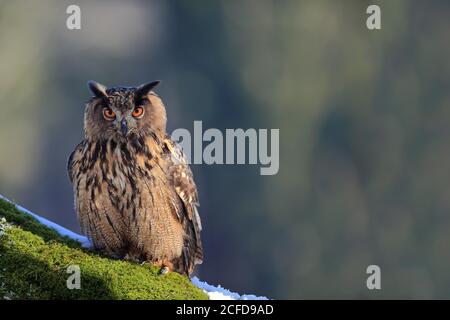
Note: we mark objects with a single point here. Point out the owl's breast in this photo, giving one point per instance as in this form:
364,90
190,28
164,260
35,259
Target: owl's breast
159,231
128,197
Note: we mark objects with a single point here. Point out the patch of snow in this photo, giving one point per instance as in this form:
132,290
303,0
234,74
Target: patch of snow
214,292
61,230
219,293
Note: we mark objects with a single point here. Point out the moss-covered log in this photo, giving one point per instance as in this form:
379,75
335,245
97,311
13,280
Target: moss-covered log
34,261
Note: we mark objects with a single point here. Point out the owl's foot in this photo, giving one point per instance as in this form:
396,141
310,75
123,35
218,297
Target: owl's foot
163,271
165,266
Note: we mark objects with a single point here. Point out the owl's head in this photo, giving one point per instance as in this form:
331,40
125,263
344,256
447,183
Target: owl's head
123,112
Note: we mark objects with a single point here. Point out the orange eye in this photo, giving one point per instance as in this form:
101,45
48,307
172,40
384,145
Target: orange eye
108,114
138,112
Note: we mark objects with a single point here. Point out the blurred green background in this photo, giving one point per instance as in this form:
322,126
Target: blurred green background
363,116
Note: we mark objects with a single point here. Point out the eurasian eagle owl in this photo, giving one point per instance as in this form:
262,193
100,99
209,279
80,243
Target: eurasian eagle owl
134,192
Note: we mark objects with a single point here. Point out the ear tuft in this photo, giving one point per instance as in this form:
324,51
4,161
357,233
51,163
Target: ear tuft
145,88
97,89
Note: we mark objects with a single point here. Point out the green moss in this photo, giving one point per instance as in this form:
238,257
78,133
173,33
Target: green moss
29,223
34,261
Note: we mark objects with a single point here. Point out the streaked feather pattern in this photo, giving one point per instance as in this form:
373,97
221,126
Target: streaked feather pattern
135,196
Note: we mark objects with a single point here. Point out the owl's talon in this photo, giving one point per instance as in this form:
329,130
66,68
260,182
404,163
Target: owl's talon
163,271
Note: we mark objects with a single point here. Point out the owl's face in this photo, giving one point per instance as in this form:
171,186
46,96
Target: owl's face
123,113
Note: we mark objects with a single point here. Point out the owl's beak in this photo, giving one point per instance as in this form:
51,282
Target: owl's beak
124,127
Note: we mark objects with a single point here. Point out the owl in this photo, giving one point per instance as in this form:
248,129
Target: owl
134,192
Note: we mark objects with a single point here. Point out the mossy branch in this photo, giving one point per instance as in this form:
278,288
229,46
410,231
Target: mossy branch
34,261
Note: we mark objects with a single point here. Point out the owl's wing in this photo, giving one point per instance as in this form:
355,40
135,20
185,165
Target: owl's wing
183,181
74,160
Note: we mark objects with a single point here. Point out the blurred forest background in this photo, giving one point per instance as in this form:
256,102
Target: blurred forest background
363,116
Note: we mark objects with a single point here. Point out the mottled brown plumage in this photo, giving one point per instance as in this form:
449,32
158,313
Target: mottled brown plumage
134,192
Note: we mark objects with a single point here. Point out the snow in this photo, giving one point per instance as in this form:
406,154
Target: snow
219,293
214,292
